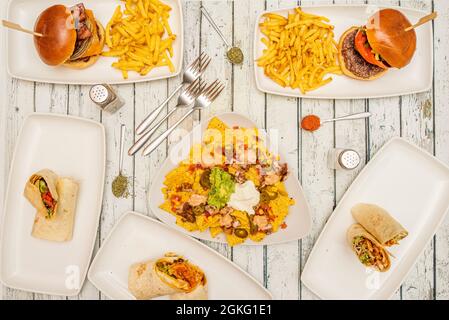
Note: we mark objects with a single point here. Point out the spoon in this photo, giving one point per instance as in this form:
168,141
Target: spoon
120,183
313,122
234,54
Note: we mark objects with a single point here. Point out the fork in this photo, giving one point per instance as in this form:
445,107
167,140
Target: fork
193,72
186,98
203,101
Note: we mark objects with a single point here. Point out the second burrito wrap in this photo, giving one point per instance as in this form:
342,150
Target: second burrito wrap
379,223
368,250
59,227
169,275
40,190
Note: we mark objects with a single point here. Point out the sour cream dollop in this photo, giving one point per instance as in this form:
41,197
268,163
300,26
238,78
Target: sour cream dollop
245,197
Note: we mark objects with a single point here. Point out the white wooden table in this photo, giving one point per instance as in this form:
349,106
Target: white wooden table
421,118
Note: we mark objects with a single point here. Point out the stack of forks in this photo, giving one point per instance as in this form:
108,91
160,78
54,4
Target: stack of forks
197,95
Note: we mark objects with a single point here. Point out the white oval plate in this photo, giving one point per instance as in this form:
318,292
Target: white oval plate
298,220
24,63
416,77
136,238
58,143
414,187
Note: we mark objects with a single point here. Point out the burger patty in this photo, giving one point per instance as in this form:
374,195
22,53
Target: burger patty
354,62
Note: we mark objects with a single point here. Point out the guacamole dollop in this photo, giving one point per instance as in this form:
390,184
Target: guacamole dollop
222,186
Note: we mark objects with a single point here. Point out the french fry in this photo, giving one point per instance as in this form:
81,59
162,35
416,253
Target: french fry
140,36
300,50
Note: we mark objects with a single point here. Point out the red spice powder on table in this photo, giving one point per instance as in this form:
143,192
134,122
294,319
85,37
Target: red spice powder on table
310,122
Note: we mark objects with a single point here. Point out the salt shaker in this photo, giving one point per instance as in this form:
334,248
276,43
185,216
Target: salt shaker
346,159
106,98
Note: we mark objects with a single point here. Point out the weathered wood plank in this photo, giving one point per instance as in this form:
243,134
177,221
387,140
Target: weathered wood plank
441,115
148,97
317,179
282,114
114,208
247,100
80,105
192,14
349,134
385,122
417,127
212,44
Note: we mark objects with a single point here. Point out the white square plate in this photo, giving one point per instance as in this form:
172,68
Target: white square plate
23,61
416,77
71,147
298,219
409,183
136,238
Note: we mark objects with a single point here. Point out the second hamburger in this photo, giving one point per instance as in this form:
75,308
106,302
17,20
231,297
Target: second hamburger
366,53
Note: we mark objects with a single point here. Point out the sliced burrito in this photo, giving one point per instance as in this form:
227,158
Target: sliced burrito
40,190
368,250
59,227
169,275
379,223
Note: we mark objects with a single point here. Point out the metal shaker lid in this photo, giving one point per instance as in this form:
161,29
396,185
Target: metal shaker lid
99,93
349,159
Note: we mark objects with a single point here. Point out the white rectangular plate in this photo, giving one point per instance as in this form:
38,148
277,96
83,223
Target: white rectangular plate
23,61
57,143
414,187
298,219
416,77
137,238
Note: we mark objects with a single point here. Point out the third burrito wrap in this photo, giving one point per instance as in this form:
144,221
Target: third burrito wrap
369,251
60,226
379,223
169,275
40,190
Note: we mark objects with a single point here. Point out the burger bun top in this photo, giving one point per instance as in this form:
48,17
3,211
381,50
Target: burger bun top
387,36
56,24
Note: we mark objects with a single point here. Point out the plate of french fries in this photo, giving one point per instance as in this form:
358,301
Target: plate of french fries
143,42
296,54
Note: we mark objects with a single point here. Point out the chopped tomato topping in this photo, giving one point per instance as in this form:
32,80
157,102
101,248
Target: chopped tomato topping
194,167
182,271
48,200
363,47
175,198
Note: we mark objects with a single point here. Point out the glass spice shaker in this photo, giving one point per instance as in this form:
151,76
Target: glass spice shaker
106,98
343,159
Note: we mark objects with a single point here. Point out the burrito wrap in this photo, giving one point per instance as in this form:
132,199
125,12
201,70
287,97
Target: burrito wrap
33,194
60,226
170,275
379,223
144,283
356,231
